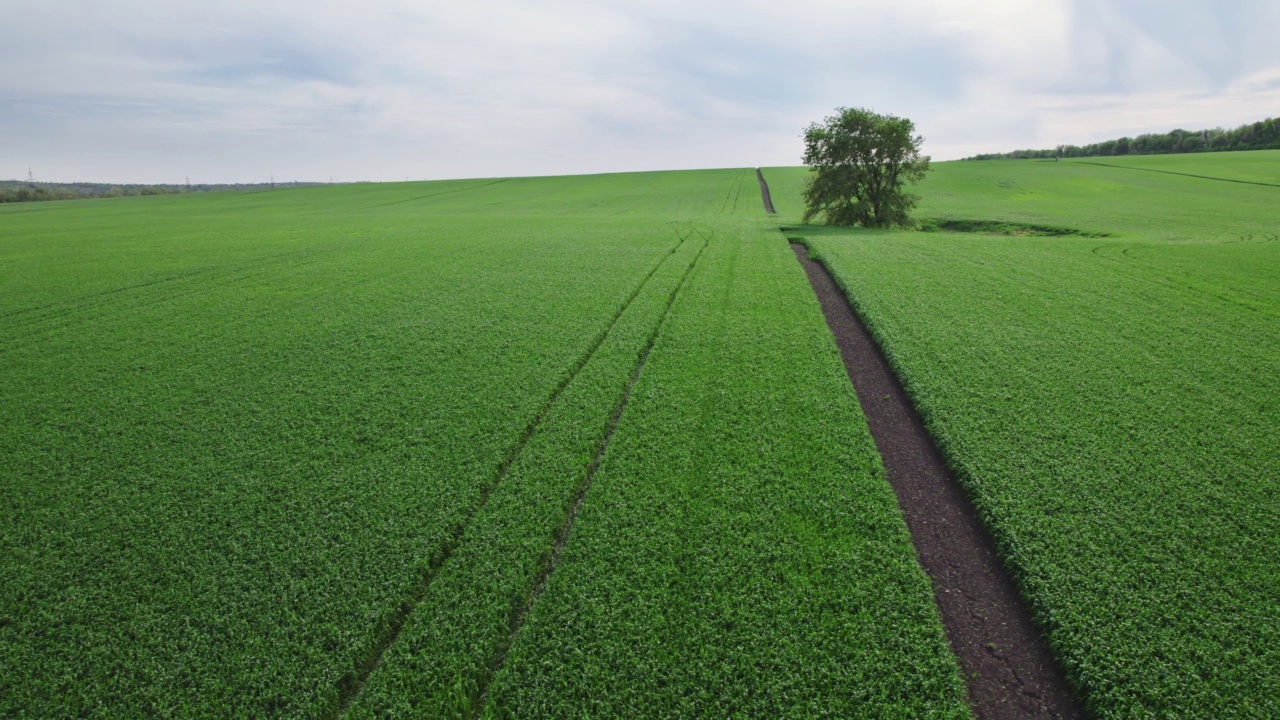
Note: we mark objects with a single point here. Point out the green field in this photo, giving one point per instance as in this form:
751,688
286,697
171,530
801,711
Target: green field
247,436
1109,403
584,446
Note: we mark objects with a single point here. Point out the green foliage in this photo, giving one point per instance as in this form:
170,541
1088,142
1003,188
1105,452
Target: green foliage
861,162
1261,135
1109,404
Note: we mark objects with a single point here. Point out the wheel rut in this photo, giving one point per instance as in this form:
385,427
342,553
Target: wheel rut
521,612
352,684
1007,665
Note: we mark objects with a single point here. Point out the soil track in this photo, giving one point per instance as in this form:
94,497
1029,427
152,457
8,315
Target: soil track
1007,666
764,193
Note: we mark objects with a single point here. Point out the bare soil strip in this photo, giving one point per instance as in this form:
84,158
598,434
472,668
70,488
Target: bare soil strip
350,686
521,612
764,193
1007,665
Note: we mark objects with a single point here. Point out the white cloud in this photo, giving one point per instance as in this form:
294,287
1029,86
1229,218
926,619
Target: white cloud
237,90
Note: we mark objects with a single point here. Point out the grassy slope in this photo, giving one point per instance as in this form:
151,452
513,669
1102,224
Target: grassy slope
241,429
1110,403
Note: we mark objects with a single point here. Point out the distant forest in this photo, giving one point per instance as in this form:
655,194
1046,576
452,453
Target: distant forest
1263,135
28,191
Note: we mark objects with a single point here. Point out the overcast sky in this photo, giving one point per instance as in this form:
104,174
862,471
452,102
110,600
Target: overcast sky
237,91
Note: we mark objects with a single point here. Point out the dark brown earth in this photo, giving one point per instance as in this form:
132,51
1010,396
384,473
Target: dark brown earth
1006,663
764,193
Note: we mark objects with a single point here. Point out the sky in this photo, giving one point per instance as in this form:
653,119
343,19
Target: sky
389,90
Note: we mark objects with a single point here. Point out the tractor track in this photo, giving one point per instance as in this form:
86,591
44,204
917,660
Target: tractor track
521,612
354,682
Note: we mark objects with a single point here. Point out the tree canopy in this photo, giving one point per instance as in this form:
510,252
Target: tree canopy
861,163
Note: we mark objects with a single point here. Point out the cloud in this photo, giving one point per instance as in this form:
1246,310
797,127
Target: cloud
238,91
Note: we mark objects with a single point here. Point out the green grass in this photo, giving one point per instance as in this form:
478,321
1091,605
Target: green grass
1110,405
247,434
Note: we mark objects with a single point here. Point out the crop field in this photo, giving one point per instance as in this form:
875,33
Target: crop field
1098,363
585,447
506,447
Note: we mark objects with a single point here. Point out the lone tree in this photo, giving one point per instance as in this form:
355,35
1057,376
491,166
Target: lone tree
861,160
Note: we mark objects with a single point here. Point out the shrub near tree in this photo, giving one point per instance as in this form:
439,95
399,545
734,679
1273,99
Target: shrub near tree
861,163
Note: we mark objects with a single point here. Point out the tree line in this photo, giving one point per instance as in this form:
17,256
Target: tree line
34,192
29,191
1262,135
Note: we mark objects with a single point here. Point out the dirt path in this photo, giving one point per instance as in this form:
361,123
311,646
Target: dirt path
764,193
1007,666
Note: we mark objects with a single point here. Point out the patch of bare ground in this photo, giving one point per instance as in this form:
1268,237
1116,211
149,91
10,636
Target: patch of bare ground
1007,666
